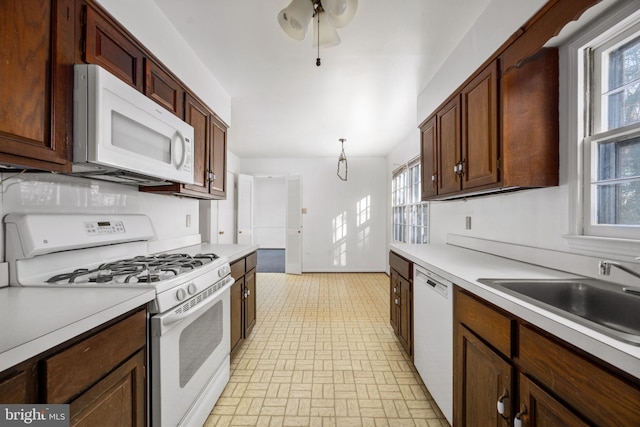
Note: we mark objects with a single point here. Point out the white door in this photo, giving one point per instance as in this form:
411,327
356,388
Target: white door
226,213
293,249
245,209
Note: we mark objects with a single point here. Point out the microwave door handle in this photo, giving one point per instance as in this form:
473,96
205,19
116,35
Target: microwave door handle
184,149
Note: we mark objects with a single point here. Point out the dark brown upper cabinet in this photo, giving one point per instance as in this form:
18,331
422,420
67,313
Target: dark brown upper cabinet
163,88
507,136
36,82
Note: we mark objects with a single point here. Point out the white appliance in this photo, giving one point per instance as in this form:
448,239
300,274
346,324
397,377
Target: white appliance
433,336
189,318
121,135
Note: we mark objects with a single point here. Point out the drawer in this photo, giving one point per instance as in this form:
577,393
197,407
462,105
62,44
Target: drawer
601,396
492,325
401,265
252,261
238,269
81,365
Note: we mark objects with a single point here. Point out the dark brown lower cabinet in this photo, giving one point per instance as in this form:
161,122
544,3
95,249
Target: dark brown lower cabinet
508,372
101,375
538,408
116,400
243,299
401,300
485,378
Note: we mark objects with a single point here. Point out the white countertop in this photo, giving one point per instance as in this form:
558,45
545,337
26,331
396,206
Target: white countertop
464,266
37,319
232,252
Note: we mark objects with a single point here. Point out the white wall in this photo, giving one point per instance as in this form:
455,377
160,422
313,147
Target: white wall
43,192
326,197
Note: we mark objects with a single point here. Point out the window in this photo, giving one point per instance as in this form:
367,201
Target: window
409,213
611,153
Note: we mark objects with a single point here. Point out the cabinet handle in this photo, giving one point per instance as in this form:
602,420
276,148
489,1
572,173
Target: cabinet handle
434,178
395,290
213,176
455,168
517,421
248,292
461,168
396,301
501,403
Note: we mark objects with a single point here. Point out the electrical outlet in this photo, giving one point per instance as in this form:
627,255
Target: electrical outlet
188,221
467,223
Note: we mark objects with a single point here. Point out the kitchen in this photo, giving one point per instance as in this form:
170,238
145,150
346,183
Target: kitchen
532,218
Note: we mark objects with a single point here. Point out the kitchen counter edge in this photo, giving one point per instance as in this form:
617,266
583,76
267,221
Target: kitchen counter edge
39,319
464,266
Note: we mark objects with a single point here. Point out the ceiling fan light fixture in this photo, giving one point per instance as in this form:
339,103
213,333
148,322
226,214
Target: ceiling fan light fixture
294,19
342,12
327,35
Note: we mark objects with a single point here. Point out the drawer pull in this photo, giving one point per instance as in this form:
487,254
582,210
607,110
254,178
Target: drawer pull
501,403
517,421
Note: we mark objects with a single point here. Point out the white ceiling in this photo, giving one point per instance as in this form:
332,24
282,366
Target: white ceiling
283,105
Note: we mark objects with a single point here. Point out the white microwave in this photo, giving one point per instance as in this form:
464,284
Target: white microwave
120,135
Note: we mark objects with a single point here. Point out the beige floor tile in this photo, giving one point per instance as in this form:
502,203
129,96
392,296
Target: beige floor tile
322,353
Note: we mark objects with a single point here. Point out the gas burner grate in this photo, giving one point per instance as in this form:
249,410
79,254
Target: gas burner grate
139,269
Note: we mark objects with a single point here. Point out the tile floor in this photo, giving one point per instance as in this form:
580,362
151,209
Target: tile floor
322,353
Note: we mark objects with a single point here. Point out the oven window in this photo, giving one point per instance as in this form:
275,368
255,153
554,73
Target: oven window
198,341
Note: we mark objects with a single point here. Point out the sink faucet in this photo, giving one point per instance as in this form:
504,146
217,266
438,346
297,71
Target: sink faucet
605,270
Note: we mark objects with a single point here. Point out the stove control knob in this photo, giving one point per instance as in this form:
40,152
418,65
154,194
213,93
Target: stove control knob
192,288
221,272
181,294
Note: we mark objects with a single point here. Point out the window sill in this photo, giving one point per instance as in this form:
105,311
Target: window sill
604,245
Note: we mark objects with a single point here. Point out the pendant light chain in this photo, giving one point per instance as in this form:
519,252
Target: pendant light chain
318,58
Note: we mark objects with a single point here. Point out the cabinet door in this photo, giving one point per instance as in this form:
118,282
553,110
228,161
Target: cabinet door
394,301
448,127
530,107
249,301
480,129
163,88
218,158
236,312
107,46
539,409
36,83
116,400
405,315
428,158
197,116
481,378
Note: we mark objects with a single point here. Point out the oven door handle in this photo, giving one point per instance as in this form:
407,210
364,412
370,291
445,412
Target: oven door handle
170,318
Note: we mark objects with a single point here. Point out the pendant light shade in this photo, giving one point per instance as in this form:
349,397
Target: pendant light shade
294,19
327,35
341,12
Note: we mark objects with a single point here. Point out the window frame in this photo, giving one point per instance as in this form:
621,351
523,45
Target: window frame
410,203
583,236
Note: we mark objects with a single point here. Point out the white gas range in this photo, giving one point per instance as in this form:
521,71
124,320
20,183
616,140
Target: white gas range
189,322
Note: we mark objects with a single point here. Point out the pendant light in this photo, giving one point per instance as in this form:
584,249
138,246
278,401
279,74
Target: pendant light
342,163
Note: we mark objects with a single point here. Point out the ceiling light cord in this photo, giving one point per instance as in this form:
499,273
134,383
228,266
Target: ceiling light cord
318,58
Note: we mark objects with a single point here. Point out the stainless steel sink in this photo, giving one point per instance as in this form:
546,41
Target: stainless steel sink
603,306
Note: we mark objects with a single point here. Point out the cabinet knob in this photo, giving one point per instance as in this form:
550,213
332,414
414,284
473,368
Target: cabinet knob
396,301
502,402
434,179
517,421
395,291
461,168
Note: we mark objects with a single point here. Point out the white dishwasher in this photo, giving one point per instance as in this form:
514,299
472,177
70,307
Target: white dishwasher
433,336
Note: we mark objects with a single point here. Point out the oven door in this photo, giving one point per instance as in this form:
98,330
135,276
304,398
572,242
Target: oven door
189,359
